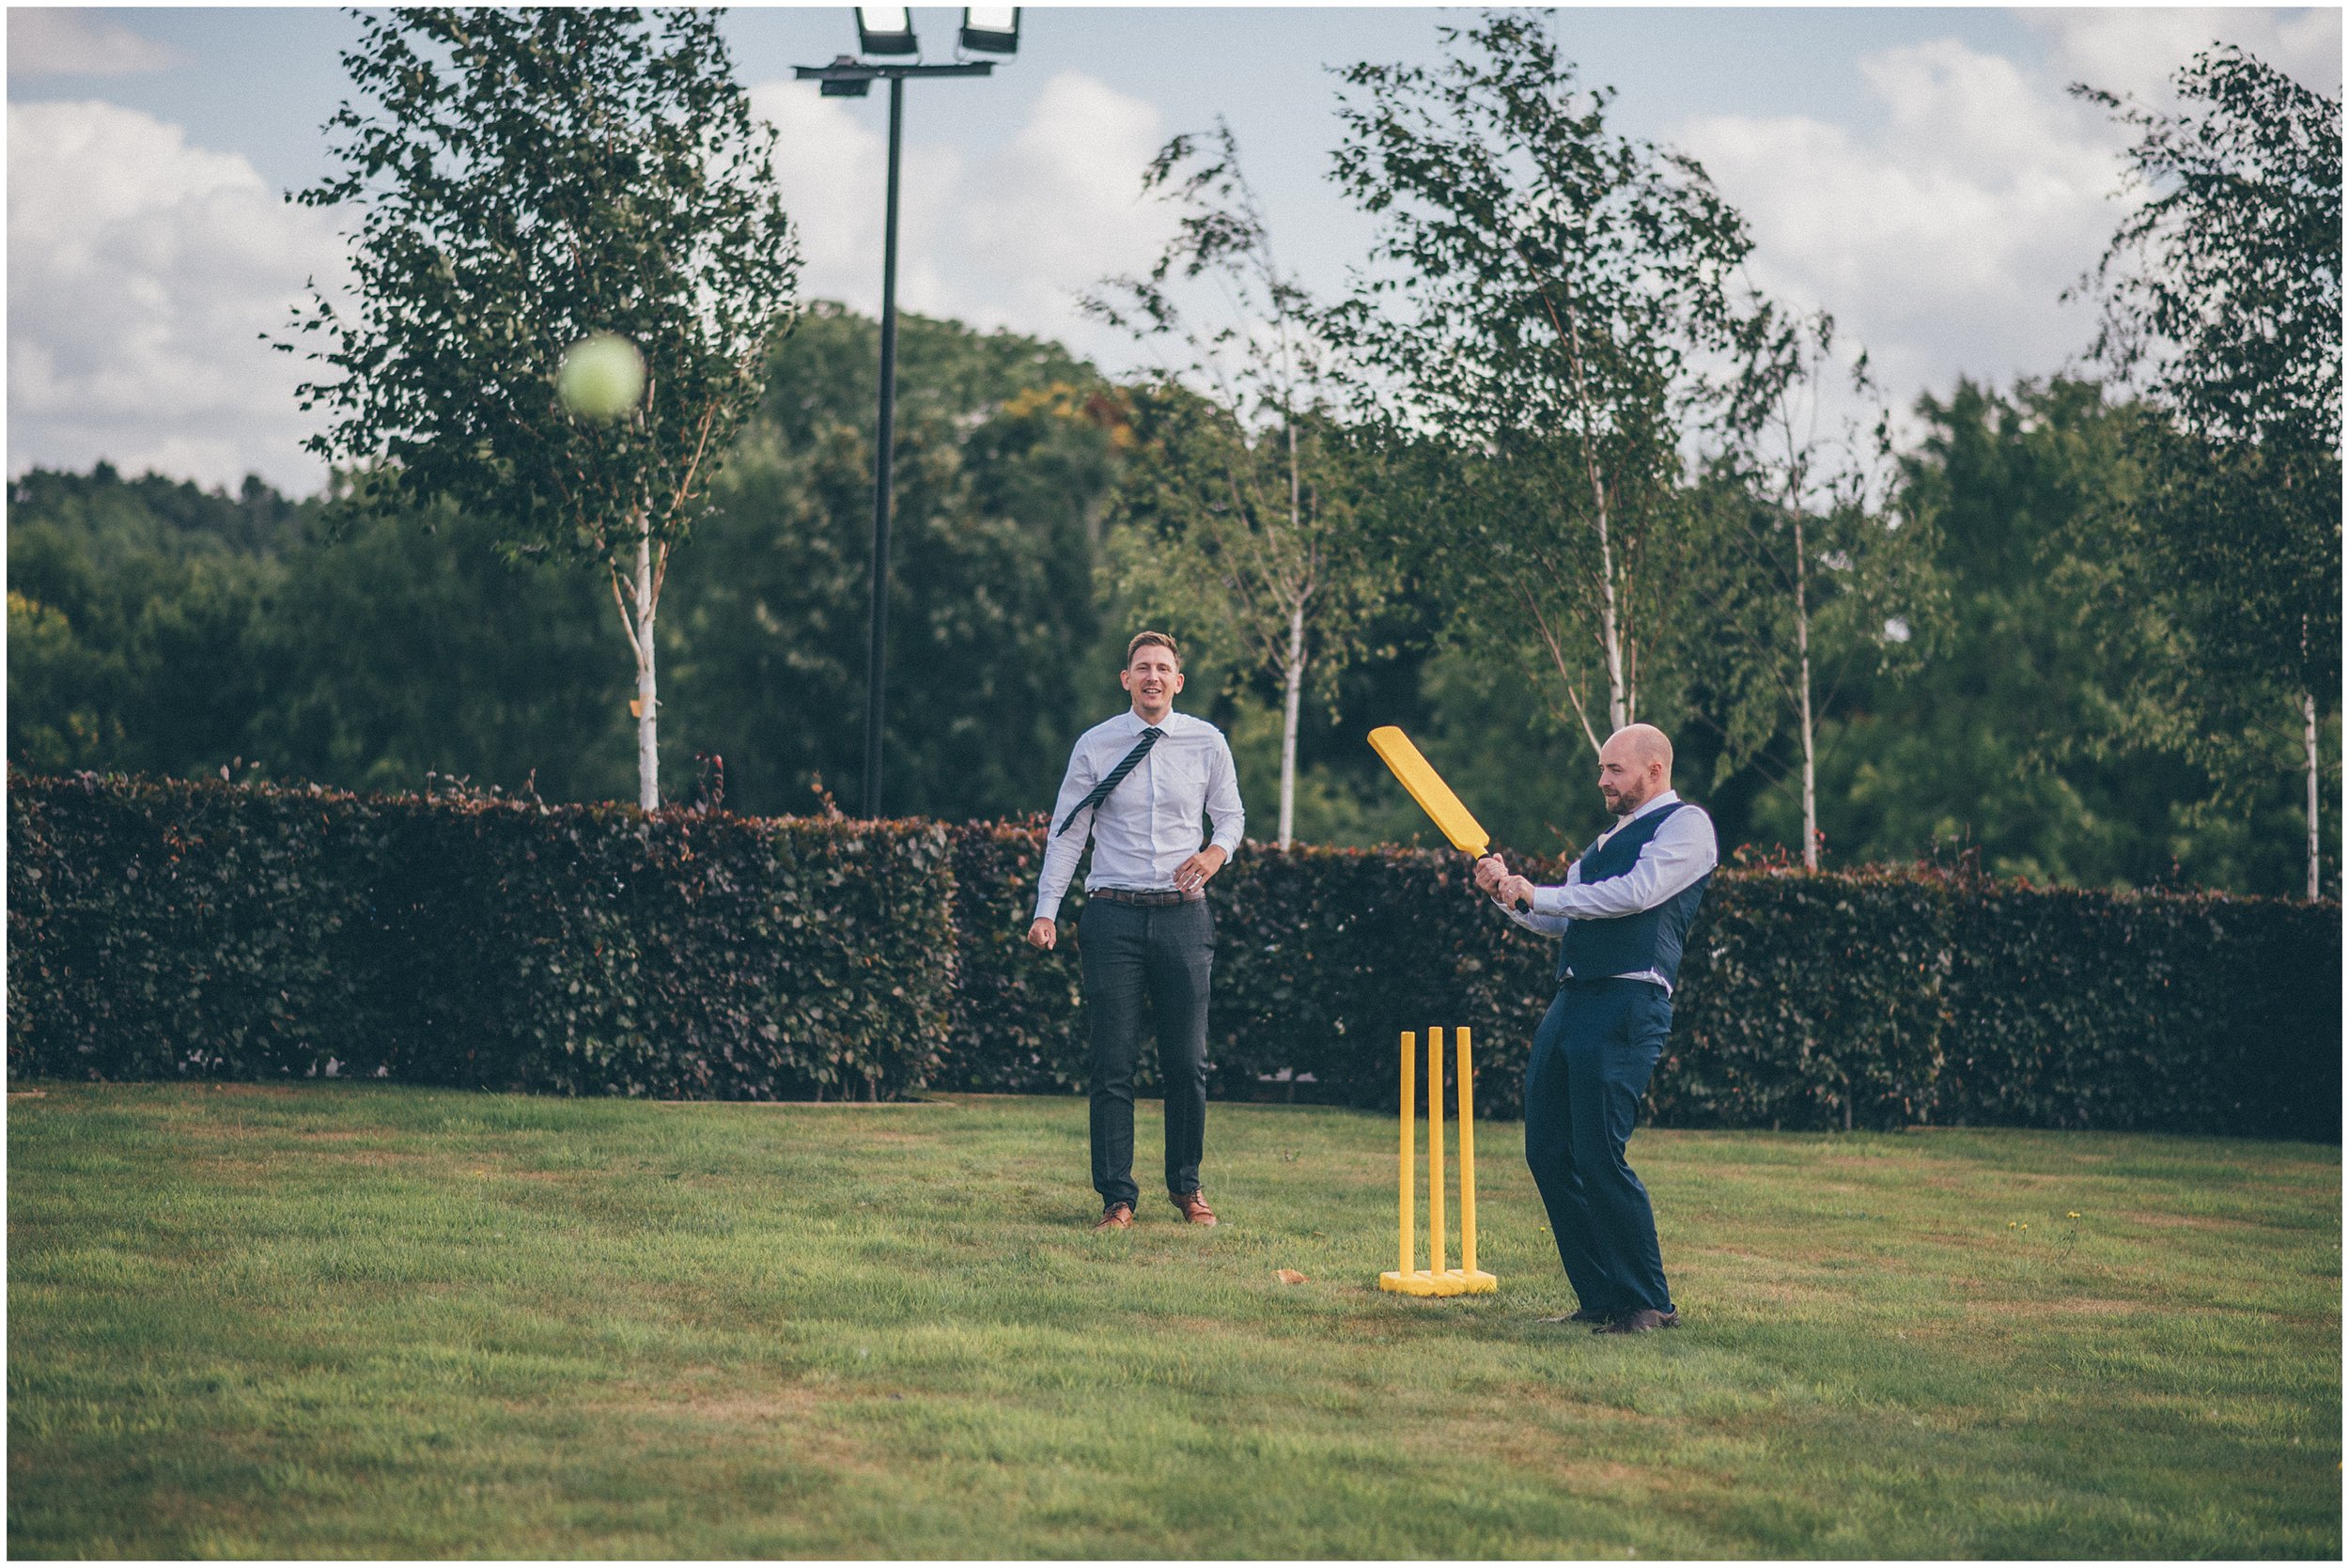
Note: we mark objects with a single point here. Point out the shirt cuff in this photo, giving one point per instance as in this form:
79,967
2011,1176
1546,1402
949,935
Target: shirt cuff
1047,908
1551,901
1230,847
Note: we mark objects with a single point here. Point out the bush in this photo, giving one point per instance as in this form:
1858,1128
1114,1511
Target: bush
1809,1001
210,930
159,930
1015,1024
162,930
2077,1008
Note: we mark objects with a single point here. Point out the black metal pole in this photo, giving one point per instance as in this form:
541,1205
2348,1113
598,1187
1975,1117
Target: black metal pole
884,451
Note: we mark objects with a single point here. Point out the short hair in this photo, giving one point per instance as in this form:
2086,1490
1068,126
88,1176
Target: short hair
1153,640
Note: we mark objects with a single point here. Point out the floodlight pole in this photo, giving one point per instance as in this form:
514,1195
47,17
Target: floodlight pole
884,451
847,77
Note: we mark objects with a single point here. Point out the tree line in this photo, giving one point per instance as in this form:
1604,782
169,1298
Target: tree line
1553,464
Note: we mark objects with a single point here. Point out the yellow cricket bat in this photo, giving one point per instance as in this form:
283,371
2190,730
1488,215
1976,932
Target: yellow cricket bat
1428,787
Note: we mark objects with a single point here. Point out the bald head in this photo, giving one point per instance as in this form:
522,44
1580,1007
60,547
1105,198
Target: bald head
1634,766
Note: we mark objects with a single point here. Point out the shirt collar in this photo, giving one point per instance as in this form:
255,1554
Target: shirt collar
1133,723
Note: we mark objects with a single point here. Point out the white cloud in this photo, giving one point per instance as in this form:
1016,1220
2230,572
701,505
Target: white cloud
62,41
1942,239
2134,50
141,272
1063,204
1004,241
834,174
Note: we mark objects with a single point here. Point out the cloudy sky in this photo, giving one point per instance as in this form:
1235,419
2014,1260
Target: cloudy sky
1920,172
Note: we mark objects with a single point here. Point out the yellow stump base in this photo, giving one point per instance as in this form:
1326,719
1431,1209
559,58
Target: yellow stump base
1450,1281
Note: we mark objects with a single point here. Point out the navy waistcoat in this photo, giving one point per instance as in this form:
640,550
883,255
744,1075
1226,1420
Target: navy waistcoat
1651,939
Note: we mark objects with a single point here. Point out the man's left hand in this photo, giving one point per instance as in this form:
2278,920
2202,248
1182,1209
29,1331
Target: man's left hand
1192,874
1509,891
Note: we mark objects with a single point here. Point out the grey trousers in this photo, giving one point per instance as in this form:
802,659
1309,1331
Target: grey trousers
1166,954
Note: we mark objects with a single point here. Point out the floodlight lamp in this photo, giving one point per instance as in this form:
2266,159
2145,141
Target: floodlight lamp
991,29
885,30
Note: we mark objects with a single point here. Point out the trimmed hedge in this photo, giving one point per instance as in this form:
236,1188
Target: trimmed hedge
1810,1001
164,929
1014,1027
1878,999
2173,1011
161,930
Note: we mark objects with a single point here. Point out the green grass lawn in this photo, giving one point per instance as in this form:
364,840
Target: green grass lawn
387,1322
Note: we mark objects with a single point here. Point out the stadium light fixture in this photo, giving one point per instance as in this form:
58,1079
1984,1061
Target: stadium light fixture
991,29
885,30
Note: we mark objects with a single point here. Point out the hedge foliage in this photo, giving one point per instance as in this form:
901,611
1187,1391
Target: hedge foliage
163,930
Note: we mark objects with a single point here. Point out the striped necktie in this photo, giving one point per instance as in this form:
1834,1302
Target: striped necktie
1125,765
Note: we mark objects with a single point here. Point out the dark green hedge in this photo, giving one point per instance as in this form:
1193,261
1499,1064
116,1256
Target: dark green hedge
161,930
156,930
2089,1009
1875,998
1014,1027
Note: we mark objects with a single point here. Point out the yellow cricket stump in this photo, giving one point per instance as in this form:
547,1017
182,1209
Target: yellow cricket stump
1436,1279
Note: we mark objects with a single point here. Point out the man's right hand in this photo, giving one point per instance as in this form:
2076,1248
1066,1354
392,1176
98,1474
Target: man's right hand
1043,934
1489,871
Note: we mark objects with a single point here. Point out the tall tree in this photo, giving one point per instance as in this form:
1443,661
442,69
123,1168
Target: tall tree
132,605
525,179
1239,506
2028,730
1801,573
1542,299
1006,450
2221,294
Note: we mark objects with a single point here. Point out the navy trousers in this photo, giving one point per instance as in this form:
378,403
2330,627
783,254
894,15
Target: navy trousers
1592,1059
1164,955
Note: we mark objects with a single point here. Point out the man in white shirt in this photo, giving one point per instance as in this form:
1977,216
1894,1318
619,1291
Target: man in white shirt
1138,785
1622,918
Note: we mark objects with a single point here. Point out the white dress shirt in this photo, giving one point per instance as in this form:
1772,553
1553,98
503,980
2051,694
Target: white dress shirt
1149,824
1670,864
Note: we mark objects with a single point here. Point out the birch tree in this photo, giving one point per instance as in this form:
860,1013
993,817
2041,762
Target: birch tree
1243,484
1541,310
1800,571
2221,295
520,180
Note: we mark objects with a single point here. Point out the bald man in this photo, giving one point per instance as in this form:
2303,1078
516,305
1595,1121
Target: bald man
1622,917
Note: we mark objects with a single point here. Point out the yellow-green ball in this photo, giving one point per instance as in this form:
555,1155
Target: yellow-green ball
601,377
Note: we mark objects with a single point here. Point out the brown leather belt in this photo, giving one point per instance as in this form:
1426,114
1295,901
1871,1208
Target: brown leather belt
1156,898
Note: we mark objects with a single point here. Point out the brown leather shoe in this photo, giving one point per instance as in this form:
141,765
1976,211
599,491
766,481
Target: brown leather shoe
1640,1320
1194,1208
1117,1217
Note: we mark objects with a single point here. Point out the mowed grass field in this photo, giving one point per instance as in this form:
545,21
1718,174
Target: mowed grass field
368,1321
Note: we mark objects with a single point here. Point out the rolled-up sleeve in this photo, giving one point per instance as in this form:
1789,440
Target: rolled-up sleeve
1062,851
1225,813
